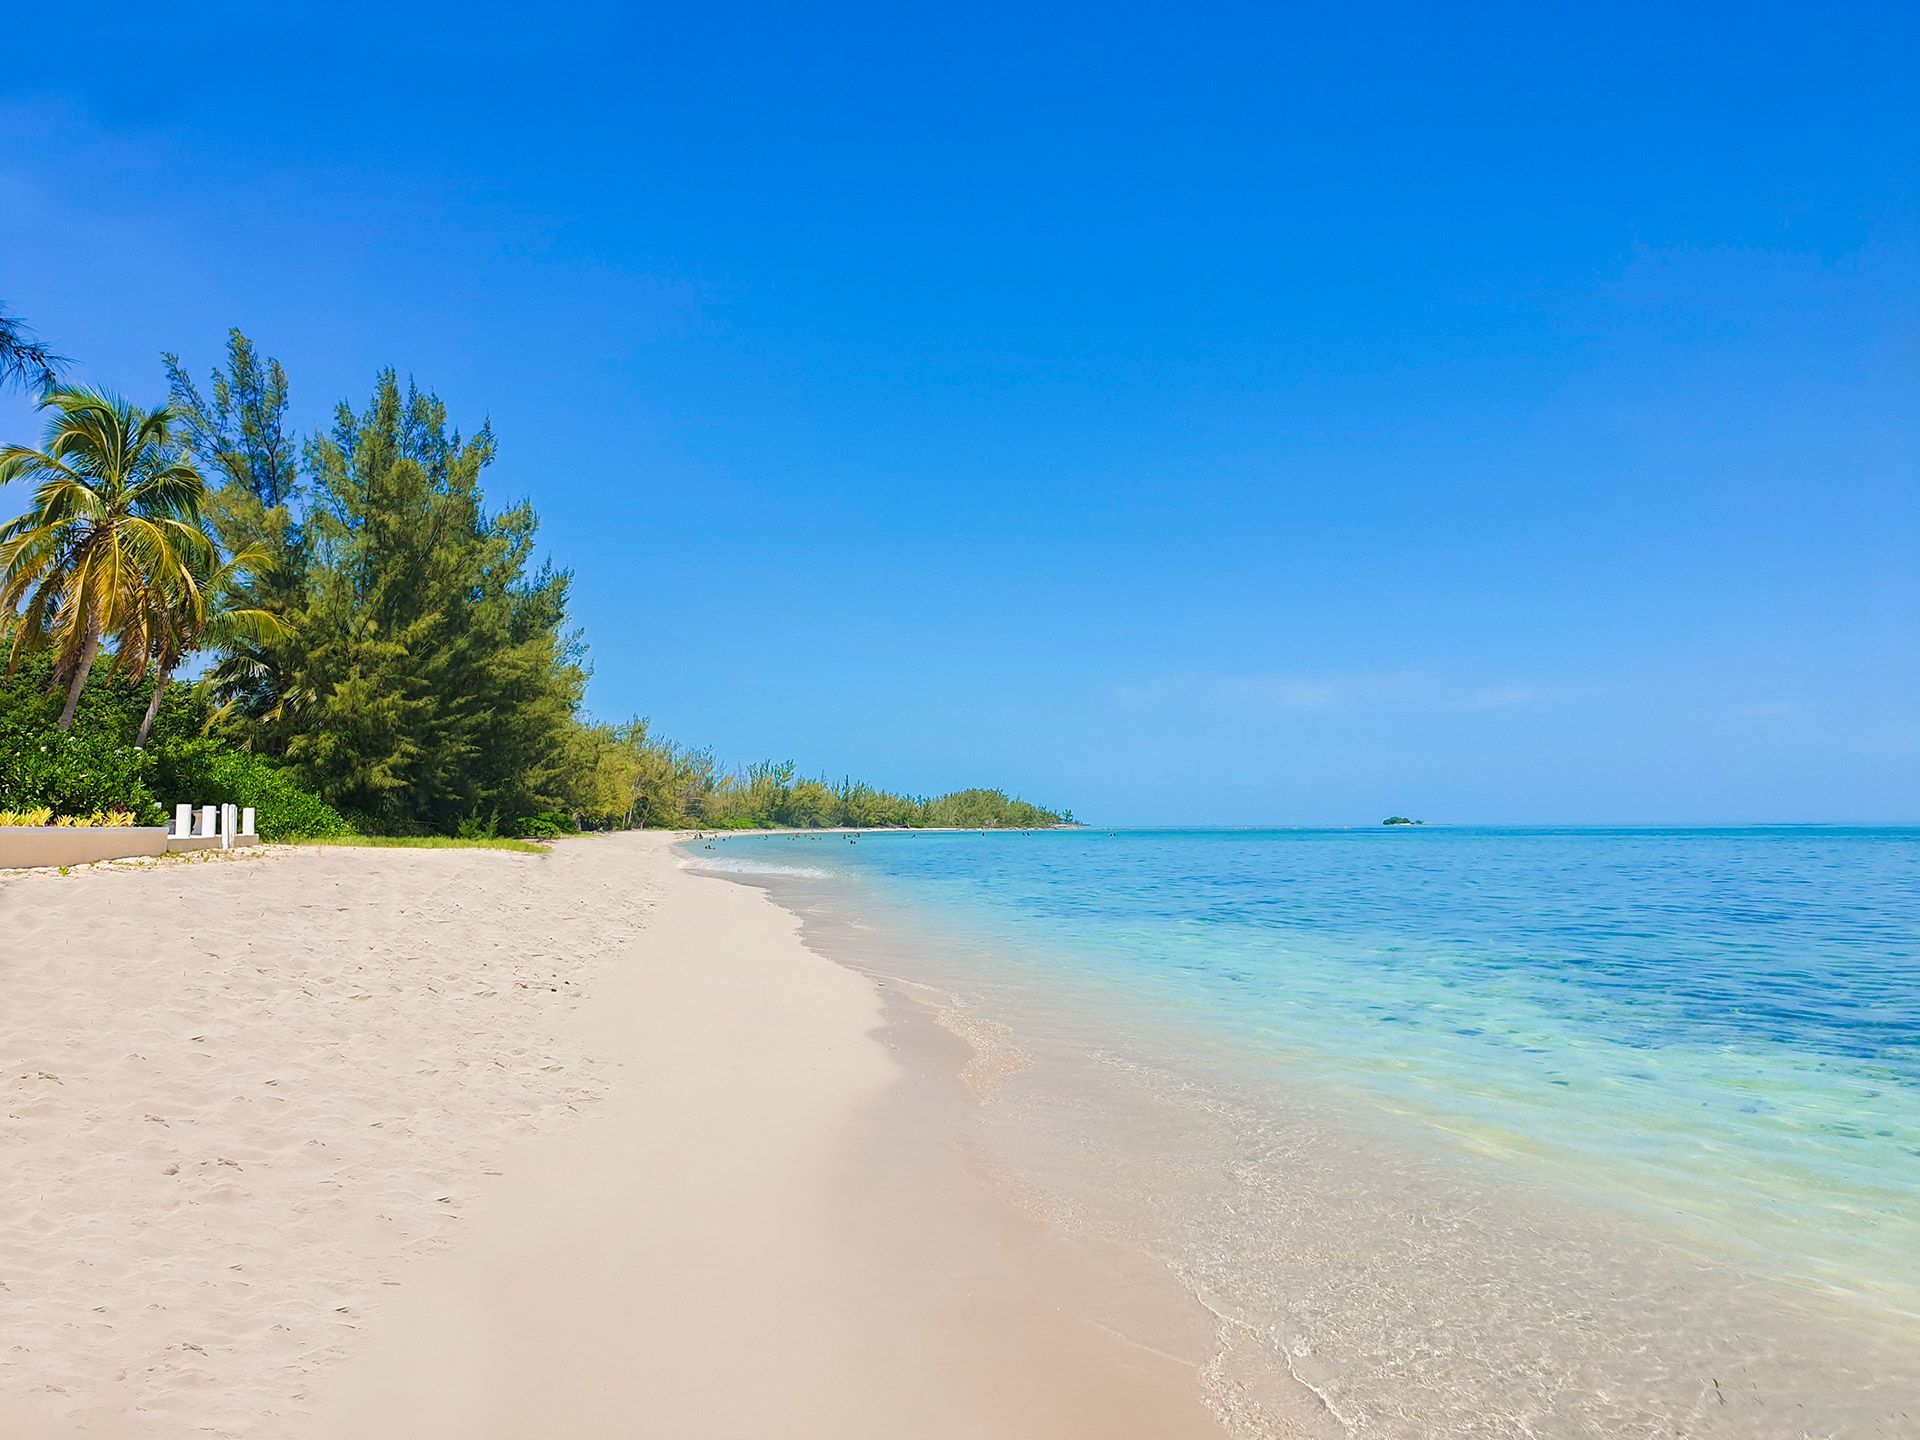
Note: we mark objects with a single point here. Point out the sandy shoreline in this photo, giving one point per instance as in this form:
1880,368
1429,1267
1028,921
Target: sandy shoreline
1368,1276
423,1143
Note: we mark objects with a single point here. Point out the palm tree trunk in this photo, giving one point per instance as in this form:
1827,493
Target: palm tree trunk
153,709
80,673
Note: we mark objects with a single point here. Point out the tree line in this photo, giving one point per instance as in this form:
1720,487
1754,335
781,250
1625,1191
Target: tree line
374,637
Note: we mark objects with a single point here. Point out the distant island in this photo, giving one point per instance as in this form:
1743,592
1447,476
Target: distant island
1401,820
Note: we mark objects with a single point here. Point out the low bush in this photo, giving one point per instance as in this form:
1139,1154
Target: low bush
435,842
211,772
550,826
98,820
73,774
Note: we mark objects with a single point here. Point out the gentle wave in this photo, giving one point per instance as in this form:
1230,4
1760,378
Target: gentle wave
733,866
1664,1081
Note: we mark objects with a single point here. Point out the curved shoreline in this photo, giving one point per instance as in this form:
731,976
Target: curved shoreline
1410,1288
466,1144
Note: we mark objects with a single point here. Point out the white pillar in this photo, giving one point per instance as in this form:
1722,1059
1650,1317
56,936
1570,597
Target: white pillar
182,821
229,822
246,821
209,823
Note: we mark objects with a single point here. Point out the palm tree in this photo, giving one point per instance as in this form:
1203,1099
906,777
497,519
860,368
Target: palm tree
211,612
251,678
25,362
116,521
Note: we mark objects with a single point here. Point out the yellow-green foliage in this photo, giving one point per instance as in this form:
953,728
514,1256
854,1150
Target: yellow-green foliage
41,816
408,666
98,820
624,775
432,842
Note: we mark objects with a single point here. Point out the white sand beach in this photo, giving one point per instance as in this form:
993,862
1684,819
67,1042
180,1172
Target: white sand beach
340,1142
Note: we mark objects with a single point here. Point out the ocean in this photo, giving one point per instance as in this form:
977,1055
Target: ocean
1455,1131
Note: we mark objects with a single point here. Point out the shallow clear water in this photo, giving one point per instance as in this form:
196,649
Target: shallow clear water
1710,1037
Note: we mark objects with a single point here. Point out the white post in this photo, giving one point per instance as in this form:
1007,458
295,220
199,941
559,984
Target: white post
246,821
182,821
229,822
209,824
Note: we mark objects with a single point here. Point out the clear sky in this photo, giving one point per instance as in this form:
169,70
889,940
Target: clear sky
1184,413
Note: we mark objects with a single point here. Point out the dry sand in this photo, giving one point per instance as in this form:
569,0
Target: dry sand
385,1143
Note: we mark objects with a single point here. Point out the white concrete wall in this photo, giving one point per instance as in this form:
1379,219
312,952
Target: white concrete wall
25,847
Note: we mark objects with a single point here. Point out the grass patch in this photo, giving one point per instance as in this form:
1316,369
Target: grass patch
432,842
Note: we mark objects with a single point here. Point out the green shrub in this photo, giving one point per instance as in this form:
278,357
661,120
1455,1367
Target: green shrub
550,826
210,772
74,774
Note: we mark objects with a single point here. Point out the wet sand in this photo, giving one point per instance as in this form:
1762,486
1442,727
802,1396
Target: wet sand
1368,1274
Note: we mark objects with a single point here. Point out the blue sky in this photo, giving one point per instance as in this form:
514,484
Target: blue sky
1184,413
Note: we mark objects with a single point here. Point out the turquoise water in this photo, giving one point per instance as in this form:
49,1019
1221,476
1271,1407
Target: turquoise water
1716,1031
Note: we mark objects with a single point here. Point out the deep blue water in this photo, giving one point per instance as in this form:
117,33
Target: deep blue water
1718,1026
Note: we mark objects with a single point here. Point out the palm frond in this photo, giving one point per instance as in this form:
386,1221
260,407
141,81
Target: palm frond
114,546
